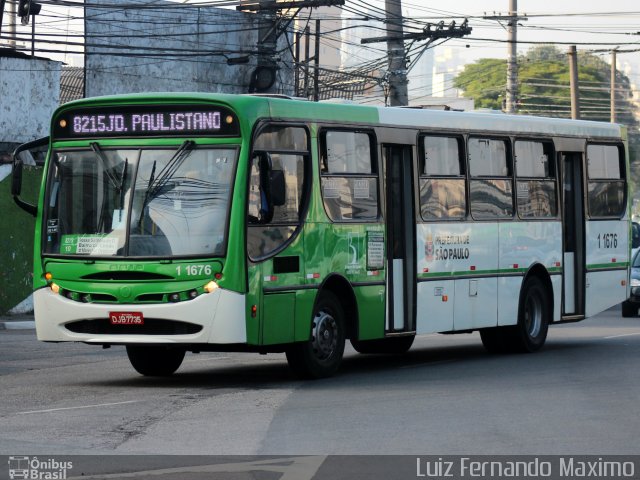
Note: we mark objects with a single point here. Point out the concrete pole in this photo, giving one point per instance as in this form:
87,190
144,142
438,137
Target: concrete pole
573,73
316,61
512,62
398,91
267,37
613,87
12,31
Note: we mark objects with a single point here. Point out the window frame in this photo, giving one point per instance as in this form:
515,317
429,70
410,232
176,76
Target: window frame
555,177
375,173
307,188
462,163
510,175
623,179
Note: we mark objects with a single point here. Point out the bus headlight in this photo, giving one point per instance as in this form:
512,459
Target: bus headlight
211,287
55,288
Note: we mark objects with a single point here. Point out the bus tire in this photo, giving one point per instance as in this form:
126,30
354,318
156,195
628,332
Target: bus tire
155,361
629,309
393,345
534,316
321,355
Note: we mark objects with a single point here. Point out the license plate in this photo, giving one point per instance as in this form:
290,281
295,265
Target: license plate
126,318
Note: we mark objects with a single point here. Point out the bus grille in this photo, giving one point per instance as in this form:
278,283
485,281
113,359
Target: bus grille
152,326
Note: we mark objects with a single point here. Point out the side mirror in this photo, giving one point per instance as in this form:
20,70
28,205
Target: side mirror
16,172
16,176
278,188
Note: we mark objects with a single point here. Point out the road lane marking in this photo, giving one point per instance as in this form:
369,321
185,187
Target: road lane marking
79,407
622,335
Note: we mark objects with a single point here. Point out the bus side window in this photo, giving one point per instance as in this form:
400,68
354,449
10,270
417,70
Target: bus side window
273,221
349,175
490,186
536,179
442,180
605,170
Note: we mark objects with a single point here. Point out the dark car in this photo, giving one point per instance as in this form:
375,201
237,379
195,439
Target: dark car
631,305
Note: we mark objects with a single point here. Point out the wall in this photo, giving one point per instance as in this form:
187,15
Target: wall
171,47
30,90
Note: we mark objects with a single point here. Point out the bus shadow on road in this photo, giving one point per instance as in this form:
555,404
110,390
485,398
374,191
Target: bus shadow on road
437,361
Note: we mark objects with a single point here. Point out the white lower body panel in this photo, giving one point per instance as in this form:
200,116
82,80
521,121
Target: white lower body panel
220,313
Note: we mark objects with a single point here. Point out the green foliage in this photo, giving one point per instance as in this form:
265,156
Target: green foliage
543,89
16,241
543,85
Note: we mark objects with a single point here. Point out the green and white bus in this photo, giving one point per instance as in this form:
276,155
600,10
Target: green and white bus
206,222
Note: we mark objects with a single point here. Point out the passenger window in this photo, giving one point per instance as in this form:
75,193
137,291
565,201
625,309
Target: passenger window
536,179
606,185
278,179
349,175
490,185
442,181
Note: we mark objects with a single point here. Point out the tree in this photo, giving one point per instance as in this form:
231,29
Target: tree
543,89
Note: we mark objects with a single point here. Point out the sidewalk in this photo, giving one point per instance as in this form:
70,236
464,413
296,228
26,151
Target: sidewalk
17,322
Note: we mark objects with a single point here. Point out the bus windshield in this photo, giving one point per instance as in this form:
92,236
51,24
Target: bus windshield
138,202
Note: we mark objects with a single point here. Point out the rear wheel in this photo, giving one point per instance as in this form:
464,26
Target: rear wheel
629,309
155,361
530,333
534,316
393,345
320,356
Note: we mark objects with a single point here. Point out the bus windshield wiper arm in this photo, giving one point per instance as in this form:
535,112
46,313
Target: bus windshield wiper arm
156,185
100,154
123,177
170,168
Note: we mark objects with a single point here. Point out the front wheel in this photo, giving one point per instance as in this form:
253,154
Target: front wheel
155,361
320,356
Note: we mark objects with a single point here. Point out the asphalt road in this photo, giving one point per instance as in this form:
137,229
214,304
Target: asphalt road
580,395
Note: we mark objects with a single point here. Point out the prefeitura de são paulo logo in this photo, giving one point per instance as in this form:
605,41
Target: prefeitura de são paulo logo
34,468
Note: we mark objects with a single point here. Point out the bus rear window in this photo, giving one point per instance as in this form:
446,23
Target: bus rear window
606,185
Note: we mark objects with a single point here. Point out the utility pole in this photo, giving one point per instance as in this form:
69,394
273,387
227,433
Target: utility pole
613,86
398,91
512,62
13,21
397,55
573,73
264,76
316,61
510,104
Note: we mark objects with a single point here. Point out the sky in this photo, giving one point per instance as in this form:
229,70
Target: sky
592,25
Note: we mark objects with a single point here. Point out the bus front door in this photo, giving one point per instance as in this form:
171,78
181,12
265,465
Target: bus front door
401,239
573,218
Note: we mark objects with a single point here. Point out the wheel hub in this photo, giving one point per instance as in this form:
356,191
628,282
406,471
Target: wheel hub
533,315
324,335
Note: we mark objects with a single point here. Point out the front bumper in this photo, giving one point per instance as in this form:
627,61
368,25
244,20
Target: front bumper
220,314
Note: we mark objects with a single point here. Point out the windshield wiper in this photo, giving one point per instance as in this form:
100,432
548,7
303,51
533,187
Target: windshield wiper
158,185
100,154
123,177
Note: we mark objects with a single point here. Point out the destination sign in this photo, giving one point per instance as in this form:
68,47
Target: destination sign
143,121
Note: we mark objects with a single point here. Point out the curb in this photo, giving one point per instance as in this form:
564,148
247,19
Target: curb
17,325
